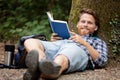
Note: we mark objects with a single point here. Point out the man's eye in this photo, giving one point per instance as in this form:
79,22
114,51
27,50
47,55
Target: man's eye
82,21
90,23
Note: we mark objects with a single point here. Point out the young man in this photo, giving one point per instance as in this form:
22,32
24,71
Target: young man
51,58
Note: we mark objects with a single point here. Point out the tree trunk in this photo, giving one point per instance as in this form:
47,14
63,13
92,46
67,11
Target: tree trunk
106,9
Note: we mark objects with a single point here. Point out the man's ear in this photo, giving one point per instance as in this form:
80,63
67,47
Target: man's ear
77,25
96,28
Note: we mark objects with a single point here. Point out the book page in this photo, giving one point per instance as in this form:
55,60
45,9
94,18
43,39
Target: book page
50,16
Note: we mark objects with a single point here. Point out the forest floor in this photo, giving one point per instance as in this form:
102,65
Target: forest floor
110,72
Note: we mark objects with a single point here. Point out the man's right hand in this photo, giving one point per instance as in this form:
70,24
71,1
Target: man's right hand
55,37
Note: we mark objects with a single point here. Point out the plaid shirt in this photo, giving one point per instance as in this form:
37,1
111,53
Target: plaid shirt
101,47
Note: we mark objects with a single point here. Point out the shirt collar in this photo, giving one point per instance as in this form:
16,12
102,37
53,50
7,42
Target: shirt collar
87,35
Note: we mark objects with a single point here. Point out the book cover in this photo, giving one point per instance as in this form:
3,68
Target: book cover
59,27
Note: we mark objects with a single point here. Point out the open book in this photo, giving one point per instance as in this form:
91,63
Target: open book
59,27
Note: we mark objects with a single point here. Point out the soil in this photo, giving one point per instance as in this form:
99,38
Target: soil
110,72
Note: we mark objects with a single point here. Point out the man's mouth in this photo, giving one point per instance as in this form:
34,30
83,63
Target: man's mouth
84,30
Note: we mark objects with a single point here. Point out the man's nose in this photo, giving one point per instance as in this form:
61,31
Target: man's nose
85,24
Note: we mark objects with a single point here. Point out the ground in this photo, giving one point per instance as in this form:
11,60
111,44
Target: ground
110,72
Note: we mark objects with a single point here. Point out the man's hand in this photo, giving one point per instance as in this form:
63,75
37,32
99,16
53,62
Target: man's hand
77,38
55,37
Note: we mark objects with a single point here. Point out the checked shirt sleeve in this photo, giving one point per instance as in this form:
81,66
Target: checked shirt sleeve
101,47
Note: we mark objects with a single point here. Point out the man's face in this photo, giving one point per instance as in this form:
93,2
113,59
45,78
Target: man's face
86,24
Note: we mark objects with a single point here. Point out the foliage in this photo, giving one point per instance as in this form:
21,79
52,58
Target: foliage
115,35
26,17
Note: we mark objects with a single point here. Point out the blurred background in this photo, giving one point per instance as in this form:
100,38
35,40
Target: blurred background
27,17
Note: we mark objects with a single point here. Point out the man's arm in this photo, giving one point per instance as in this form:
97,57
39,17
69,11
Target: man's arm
101,47
93,53
98,55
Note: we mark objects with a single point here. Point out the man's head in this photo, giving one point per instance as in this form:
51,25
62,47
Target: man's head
88,22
